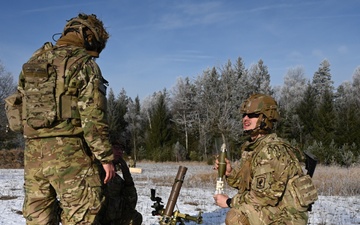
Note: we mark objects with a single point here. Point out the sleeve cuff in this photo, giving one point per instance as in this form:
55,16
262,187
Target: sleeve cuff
228,202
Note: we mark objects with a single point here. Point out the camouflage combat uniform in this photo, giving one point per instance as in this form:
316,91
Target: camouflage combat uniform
261,177
59,158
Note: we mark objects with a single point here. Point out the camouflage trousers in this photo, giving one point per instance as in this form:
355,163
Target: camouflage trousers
59,170
247,214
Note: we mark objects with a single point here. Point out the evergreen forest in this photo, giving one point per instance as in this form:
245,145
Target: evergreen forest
191,120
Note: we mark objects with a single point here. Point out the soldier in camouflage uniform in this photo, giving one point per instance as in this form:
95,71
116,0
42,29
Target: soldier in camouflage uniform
272,188
65,126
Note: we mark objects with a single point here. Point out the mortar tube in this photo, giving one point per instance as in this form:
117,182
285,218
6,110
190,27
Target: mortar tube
174,194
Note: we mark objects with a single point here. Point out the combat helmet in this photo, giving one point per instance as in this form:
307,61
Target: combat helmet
264,106
91,29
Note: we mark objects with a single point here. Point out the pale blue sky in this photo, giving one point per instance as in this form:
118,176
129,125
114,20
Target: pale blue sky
153,42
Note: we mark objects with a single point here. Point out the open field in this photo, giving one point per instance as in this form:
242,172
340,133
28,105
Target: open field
339,201
330,180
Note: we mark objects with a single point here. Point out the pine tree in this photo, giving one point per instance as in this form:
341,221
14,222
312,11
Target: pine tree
259,78
324,125
117,109
322,81
355,90
306,112
159,131
243,83
347,131
111,111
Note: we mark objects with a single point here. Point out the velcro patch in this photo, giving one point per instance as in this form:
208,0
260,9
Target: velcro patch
260,182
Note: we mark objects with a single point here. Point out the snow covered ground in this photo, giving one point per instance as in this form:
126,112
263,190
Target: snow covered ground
195,195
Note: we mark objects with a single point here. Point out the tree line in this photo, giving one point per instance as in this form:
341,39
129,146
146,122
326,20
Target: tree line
192,120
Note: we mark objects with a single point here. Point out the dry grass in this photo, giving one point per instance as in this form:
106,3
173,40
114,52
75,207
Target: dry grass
337,181
329,180
201,179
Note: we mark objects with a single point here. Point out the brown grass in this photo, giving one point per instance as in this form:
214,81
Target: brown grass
329,180
337,181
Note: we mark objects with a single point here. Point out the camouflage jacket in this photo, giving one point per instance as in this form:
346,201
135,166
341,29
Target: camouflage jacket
261,175
85,83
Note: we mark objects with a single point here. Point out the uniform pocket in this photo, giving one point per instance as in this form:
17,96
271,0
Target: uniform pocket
94,193
305,190
295,195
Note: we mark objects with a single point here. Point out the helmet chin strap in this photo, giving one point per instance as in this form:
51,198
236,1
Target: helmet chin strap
253,132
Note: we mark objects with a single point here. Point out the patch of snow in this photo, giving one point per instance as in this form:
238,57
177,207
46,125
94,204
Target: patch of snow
193,197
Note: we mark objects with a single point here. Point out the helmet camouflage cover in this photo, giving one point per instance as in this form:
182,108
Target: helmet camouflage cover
85,24
263,105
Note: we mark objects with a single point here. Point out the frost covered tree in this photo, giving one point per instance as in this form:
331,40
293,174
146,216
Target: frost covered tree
8,139
243,85
7,83
259,78
207,87
322,80
293,89
230,99
183,108
356,86
324,118
134,121
291,94
220,94
146,109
